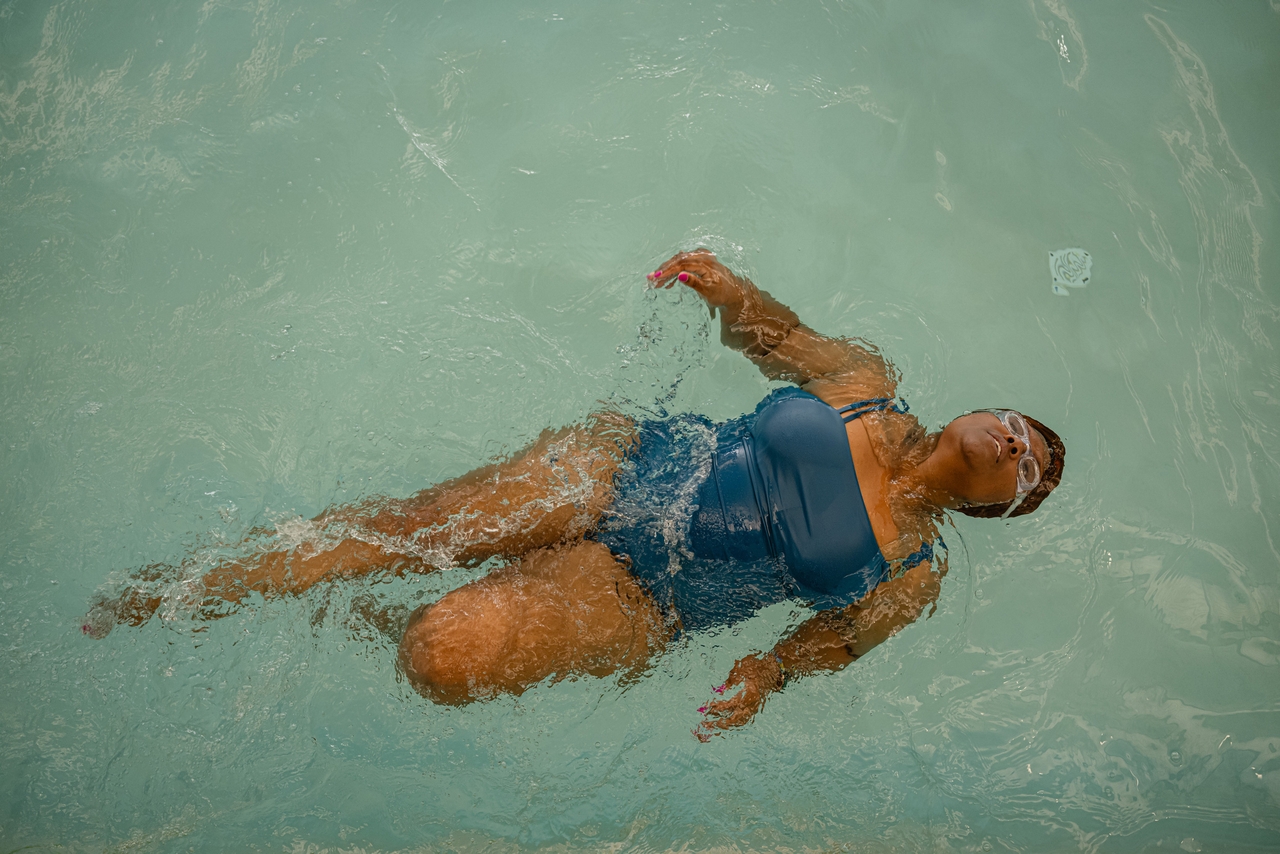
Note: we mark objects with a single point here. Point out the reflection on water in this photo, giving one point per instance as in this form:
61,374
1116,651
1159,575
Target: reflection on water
1058,26
263,259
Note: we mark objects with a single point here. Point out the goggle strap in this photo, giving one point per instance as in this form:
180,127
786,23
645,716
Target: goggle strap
1013,505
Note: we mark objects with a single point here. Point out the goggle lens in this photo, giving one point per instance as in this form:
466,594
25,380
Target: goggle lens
1028,468
1017,425
1028,473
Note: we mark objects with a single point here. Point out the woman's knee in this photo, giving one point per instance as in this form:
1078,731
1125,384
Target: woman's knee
435,666
558,611
453,651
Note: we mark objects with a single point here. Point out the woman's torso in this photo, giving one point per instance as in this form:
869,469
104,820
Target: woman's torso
786,501
783,485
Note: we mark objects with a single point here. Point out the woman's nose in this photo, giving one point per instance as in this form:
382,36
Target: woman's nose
1016,445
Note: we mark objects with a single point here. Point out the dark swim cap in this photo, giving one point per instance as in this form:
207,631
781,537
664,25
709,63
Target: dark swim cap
1050,478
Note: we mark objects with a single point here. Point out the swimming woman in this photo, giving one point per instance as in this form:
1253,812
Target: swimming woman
617,535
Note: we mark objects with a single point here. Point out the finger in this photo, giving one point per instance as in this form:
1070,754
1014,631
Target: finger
663,277
698,254
727,708
700,261
706,274
717,708
669,278
737,718
670,272
666,268
686,277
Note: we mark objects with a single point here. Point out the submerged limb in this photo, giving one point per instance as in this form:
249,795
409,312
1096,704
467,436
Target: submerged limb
829,640
216,593
134,605
558,612
553,491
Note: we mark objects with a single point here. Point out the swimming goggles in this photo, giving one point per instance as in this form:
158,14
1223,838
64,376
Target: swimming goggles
1028,467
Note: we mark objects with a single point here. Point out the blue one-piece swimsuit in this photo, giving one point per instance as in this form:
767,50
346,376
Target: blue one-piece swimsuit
718,521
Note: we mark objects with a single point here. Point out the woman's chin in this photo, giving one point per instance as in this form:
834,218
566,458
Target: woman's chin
979,453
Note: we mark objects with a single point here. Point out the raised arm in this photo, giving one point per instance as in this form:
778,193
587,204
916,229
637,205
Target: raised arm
827,641
773,337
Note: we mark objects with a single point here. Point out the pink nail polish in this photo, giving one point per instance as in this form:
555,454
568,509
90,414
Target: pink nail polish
684,277
719,690
702,710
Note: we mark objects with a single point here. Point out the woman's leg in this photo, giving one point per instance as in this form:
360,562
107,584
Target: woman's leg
551,492
560,611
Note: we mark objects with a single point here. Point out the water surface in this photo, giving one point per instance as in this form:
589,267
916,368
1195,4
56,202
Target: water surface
259,258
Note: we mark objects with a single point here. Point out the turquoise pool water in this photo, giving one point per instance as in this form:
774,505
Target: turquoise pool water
258,258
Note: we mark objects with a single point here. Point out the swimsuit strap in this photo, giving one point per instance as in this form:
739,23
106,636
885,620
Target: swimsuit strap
854,411
924,553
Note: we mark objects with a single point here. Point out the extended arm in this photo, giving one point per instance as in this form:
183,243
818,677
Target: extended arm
827,641
772,336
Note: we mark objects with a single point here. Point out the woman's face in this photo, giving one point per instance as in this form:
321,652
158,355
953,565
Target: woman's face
984,457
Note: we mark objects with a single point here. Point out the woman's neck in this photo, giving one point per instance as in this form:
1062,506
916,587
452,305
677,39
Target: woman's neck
921,482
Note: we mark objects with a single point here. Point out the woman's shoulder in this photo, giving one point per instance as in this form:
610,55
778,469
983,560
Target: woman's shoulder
896,429
915,547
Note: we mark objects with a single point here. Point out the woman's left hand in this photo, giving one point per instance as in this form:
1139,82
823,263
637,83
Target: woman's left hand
758,677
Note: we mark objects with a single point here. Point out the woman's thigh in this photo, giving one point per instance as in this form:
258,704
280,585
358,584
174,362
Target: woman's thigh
553,491
558,612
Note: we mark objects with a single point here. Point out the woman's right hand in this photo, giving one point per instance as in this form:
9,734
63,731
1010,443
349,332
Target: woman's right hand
702,272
